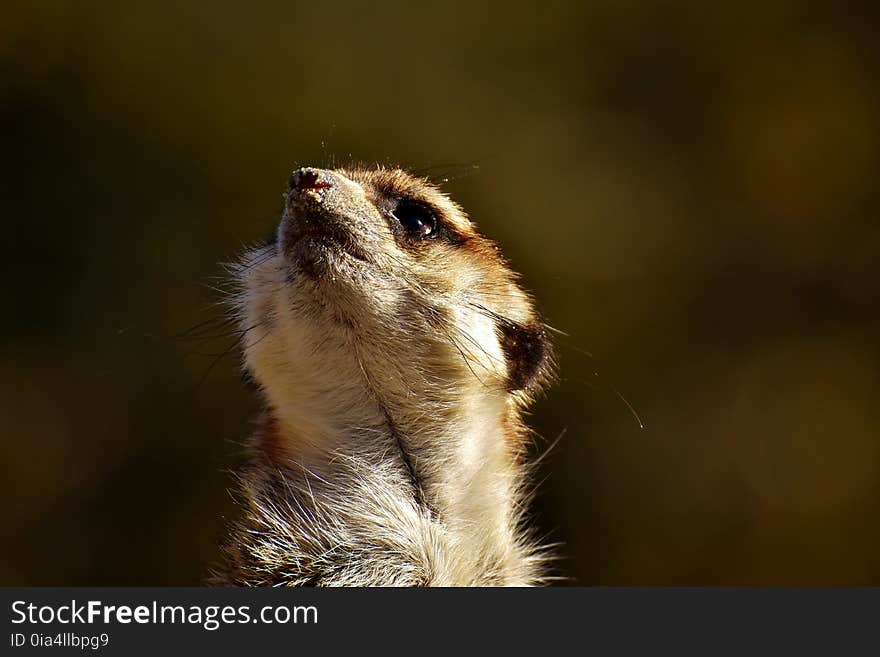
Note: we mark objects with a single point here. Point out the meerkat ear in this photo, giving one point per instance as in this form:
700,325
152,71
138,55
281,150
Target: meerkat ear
527,350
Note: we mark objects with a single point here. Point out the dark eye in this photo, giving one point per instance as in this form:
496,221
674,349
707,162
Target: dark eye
416,219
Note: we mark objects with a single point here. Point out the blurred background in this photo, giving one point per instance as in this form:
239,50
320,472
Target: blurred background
690,190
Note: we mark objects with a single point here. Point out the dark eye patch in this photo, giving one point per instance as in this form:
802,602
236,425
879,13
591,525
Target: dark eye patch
417,220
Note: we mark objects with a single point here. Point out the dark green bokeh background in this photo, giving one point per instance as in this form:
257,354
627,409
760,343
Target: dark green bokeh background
690,189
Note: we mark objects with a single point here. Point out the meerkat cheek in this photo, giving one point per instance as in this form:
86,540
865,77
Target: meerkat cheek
479,343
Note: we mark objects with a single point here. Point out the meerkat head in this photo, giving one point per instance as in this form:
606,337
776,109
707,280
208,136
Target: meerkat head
379,303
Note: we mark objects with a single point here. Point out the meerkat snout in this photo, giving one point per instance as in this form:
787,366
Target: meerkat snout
325,213
308,178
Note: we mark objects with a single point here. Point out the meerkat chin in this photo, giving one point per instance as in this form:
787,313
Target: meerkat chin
395,353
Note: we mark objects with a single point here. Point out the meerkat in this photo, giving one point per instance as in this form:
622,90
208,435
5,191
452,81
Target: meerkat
395,352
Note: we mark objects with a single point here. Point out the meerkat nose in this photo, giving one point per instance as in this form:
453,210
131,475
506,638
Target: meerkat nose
307,178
